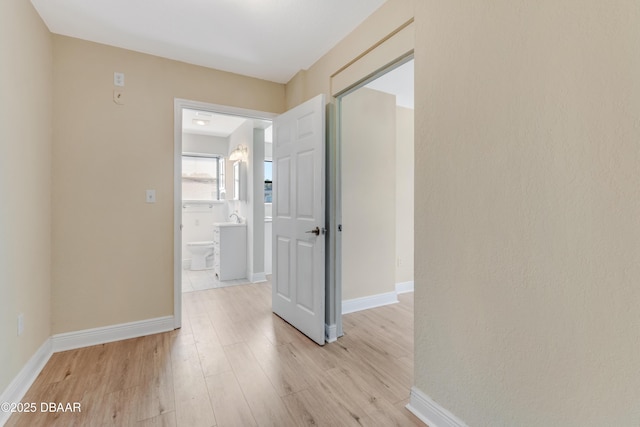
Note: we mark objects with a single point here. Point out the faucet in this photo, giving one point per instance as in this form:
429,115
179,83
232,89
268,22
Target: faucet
237,217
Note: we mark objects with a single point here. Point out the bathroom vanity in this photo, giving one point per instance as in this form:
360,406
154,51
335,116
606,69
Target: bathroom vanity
230,250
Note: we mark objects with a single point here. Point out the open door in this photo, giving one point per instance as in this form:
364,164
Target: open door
298,282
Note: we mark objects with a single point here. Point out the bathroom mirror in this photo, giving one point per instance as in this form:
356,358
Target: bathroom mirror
236,180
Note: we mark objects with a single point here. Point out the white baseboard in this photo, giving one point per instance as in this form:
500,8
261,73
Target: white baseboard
123,331
25,378
72,340
430,413
404,287
330,332
364,303
378,300
257,277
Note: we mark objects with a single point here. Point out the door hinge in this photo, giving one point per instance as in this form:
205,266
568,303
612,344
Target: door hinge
339,227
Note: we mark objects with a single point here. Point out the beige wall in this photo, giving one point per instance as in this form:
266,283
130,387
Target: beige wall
113,253
528,211
377,210
404,194
25,184
368,193
527,214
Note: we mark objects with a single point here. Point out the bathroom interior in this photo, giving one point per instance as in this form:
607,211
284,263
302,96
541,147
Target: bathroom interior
226,200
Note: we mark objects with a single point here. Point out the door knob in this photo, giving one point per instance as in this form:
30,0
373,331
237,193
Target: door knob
315,231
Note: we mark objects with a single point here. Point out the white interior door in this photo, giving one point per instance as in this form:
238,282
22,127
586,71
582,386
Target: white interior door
298,284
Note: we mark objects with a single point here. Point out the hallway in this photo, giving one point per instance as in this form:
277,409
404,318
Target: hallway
234,363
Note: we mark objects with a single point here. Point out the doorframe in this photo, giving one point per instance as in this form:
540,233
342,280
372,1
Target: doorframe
335,154
178,105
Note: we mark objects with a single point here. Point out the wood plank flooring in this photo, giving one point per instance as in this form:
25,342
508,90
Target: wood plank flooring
234,363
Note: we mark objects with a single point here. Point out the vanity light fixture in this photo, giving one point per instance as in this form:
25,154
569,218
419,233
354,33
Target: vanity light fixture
238,153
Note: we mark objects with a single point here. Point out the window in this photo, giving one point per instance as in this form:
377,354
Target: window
201,177
268,182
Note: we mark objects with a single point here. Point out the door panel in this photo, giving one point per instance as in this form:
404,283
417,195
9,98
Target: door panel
305,269
282,204
304,187
298,220
282,258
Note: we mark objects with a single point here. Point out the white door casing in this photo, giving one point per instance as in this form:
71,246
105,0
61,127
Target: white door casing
179,105
298,278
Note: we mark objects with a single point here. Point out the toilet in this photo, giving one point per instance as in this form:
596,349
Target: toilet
201,255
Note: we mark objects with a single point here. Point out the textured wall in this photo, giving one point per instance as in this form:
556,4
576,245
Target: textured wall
368,193
528,210
25,184
113,253
404,194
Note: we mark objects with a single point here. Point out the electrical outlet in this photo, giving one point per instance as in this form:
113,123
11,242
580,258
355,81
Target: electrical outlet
20,324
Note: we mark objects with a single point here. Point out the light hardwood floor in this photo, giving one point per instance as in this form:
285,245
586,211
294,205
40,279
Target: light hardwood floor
234,363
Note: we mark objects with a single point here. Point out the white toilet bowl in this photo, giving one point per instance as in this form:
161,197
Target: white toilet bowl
201,255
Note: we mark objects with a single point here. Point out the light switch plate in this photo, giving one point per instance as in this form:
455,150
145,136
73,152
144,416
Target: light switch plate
151,196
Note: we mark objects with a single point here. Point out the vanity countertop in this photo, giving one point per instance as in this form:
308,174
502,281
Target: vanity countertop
230,224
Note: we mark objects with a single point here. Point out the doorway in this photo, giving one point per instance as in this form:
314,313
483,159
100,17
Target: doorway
219,154
376,189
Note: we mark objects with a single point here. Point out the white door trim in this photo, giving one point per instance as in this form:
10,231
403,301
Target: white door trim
178,105
397,44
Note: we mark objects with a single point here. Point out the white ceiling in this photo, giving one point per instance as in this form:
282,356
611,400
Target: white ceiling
398,82
223,125
205,123
268,39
